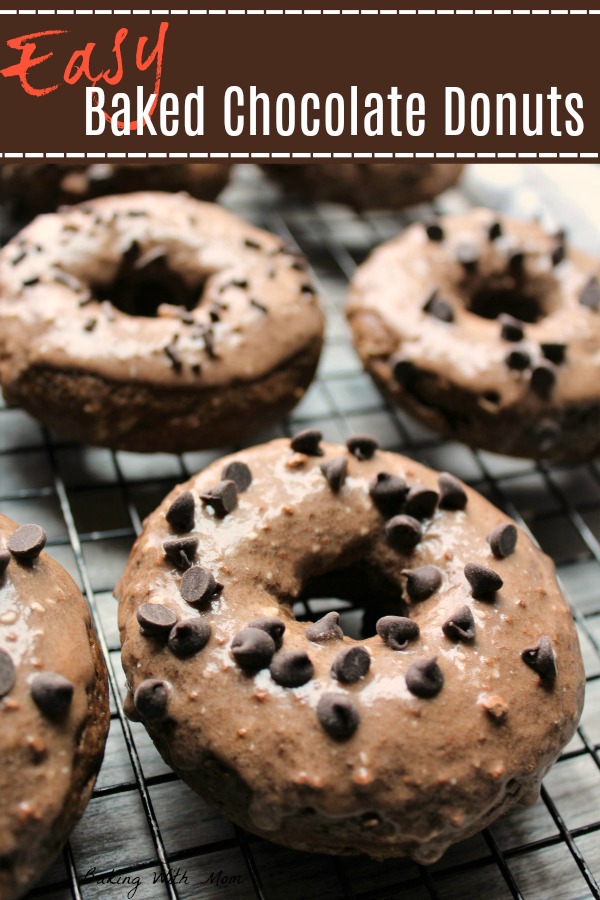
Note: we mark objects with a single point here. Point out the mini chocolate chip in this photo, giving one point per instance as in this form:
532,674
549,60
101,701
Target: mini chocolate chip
434,231
452,493
327,628
151,699
519,360
307,441
439,308
516,262
461,625
543,378
180,514
222,498
253,649
308,289
388,493
273,626
590,295
335,471
547,434
197,585
494,231
558,254
425,678
421,583
541,658
188,636
90,324
503,540
554,352
362,446
27,542
484,582
351,664
181,551
397,631
510,328
404,370
52,693
338,715
173,357
4,561
7,673
239,473
291,669
155,619
403,532
421,501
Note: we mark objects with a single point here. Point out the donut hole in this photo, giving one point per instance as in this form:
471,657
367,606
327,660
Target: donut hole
143,282
490,301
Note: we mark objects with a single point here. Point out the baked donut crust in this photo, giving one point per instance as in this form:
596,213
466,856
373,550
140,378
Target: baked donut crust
487,329
409,744
49,754
40,188
367,185
233,345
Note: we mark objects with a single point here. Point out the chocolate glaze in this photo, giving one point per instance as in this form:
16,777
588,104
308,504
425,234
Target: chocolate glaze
48,762
417,774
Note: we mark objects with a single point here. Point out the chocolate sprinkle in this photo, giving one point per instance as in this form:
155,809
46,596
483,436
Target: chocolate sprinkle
307,442
308,289
151,699
253,649
558,254
554,352
590,295
181,551
452,493
4,561
434,231
189,636
155,619
338,715
541,658
327,628
351,664
362,446
27,542
52,693
518,360
425,678
484,582
180,514
511,329
421,501
239,473
259,306
494,231
421,583
7,673
543,378
273,626
461,625
252,245
335,471
197,585
403,532
388,493
397,631
439,308
503,540
173,357
292,669
222,498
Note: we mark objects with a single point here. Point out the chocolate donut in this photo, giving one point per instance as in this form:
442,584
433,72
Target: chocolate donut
367,185
54,712
155,322
43,187
397,744
486,329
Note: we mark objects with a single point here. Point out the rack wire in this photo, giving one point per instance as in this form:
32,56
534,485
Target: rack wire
145,834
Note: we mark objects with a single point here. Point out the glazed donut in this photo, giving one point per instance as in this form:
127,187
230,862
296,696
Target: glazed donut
154,322
397,744
54,711
486,329
367,185
43,187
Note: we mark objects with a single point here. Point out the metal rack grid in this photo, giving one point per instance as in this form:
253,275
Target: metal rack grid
147,835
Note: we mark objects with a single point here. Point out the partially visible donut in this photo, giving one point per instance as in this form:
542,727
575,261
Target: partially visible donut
54,712
153,321
367,185
33,188
398,744
487,329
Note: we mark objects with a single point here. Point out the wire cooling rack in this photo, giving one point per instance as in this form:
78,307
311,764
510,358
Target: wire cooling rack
145,834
